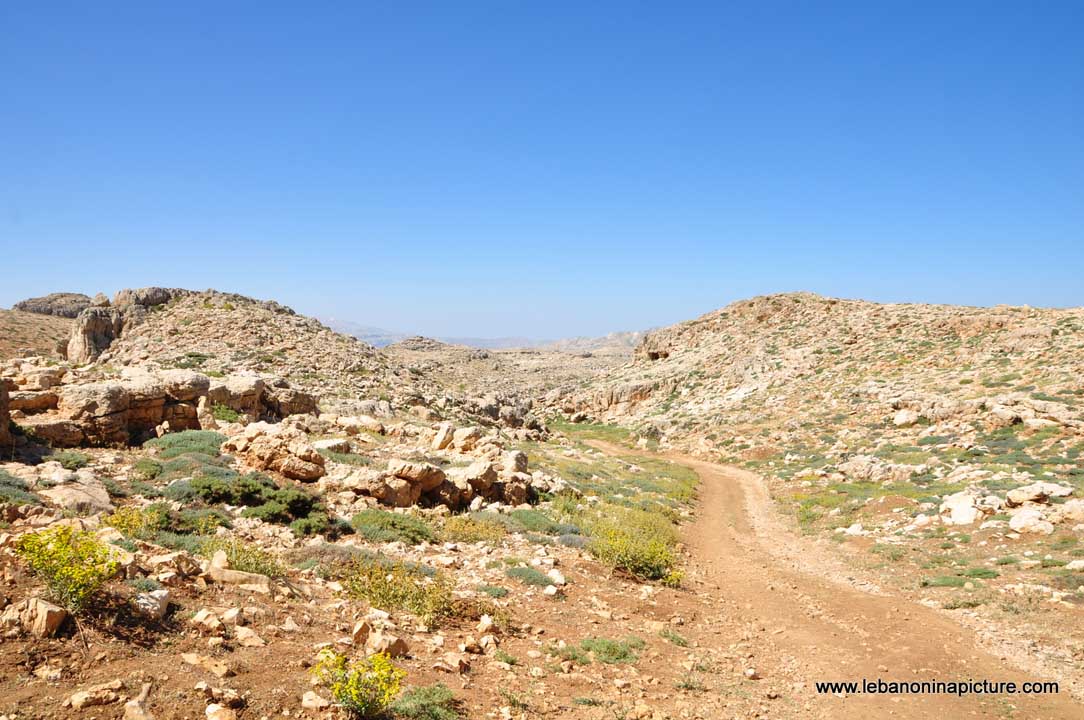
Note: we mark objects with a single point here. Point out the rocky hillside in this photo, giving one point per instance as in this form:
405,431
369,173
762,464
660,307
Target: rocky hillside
24,333
782,373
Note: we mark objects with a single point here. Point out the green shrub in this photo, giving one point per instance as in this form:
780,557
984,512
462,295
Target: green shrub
668,634
70,459
224,413
75,564
494,591
528,576
383,526
146,469
364,688
397,586
636,541
144,584
139,523
177,541
204,442
464,528
15,491
944,581
613,652
432,702
243,556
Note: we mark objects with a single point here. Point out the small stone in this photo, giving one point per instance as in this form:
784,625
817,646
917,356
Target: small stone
311,701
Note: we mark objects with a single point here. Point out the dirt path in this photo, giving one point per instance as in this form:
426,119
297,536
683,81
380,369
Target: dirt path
814,623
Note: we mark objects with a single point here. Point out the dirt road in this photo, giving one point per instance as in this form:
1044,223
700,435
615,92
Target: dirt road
816,624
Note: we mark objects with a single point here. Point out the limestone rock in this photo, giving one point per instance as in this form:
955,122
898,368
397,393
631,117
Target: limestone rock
153,604
380,641
5,417
281,449
67,305
35,616
1030,520
103,694
100,410
426,476
94,331
1037,492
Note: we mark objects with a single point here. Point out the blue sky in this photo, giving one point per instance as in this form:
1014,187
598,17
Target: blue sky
544,169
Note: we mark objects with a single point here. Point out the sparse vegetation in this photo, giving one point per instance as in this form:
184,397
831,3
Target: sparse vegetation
385,526
74,564
397,586
431,702
365,688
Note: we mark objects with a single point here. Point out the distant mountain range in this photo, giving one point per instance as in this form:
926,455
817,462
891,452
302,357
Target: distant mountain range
619,342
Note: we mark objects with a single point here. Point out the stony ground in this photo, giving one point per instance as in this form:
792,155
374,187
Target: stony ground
788,490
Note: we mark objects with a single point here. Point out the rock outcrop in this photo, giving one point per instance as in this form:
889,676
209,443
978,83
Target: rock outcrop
279,448
58,409
5,417
97,326
66,305
94,330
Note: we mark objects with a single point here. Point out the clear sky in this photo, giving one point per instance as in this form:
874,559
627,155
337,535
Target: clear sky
544,168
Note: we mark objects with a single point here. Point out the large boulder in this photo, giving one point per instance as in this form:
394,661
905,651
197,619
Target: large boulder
1030,519
282,449
86,495
960,509
35,616
241,393
53,431
425,475
100,410
1037,492
283,401
397,492
94,331
479,475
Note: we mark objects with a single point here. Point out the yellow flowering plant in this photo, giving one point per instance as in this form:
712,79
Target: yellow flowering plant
364,688
75,564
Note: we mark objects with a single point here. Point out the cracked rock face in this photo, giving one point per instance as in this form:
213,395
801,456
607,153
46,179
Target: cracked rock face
5,417
94,330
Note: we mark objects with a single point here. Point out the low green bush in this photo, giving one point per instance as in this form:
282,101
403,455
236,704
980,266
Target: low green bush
635,541
205,442
243,556
464,528
15,491
528,576
70,459
224,413
431,702
384,526
397,586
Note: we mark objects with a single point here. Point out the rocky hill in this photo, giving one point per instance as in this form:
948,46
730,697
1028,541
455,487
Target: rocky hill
59,304
215,507
788,372
24,333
